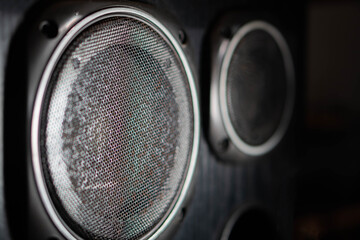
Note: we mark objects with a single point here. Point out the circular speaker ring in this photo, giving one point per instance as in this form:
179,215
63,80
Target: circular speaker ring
269,143
251,221
74,202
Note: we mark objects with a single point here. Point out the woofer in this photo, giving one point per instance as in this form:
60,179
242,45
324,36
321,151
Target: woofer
115,127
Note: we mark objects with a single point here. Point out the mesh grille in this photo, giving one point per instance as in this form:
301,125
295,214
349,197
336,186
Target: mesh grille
256,87
117,133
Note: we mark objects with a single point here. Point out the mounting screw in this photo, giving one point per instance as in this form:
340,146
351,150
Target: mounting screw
182,36
183,213
227,33
224,144
49,28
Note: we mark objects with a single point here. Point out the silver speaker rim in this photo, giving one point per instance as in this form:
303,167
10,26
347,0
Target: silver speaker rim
145,17
270,144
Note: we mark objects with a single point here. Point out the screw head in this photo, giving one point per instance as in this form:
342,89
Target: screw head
182,36
49,28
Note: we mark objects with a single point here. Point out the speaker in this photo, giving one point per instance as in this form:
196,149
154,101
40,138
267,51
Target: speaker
113,120
105,118
252,89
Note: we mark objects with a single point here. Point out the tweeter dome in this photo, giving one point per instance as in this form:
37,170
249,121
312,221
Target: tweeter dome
114,123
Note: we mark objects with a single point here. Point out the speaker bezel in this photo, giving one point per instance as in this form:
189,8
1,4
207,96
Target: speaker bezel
141,14
223,137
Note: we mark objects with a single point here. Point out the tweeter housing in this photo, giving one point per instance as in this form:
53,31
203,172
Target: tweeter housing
252,89
50,32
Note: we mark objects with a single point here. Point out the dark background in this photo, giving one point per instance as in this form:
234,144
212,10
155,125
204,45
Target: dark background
328,178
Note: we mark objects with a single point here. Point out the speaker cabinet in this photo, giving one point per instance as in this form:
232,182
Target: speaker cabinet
101,123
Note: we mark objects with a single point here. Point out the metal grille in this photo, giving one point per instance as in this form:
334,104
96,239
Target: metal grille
256,87
117,130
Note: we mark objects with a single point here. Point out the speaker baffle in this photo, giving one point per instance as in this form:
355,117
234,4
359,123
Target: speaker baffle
251,223
252,89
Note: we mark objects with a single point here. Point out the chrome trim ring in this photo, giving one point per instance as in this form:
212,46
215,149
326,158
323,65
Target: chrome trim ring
267,146
35,121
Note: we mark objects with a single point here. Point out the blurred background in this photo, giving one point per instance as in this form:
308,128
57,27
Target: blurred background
327,201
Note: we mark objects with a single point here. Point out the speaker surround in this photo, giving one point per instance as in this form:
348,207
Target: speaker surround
252,90
115,126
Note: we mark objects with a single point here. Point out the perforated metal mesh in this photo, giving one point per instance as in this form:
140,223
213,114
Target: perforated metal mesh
117,133
256,87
